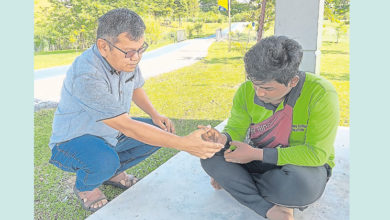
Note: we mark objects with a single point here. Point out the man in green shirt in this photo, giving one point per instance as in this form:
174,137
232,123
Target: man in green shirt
291,119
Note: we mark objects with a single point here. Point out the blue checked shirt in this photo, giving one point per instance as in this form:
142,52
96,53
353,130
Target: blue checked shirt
93,91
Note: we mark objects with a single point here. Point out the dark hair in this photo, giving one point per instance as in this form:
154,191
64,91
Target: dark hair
119,21
273,58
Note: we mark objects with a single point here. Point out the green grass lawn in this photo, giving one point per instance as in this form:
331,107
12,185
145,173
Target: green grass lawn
335,67
198,94
209,29
56,58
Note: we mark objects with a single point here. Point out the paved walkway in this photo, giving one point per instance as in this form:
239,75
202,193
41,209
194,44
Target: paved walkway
180,189
191,51
48,82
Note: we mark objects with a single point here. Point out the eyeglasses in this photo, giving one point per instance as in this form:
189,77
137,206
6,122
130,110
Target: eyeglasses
130,53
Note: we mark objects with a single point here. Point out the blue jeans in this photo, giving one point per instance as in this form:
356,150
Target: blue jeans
95,161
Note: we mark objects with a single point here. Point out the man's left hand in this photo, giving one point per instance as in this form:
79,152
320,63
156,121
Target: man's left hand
212,135
164,123
244,153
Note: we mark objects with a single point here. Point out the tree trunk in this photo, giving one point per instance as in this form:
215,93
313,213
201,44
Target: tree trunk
261,20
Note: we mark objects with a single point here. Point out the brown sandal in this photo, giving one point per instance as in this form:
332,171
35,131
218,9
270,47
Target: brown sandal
88,205
129,181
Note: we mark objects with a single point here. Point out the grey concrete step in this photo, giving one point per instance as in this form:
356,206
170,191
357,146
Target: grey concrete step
180,189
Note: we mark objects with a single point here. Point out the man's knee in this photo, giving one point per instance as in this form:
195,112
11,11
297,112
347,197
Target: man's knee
213,165
229,175
293,186
106,163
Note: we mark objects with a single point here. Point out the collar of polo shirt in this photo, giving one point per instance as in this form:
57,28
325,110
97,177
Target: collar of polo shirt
112,71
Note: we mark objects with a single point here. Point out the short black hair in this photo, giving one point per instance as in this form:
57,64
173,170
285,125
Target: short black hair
273,58
121,20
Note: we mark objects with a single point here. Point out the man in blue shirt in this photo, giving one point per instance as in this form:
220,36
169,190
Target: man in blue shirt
93,135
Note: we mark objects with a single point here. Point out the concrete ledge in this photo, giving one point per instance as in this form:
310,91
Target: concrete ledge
180,189
39,105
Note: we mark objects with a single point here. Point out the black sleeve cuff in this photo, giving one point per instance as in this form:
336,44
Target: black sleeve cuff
270,155
110,117
228,140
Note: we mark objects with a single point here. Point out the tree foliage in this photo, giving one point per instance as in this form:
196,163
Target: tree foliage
68,24
251,12
71,24
337,10
208,5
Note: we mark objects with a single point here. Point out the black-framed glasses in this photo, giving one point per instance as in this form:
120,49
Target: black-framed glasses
130,53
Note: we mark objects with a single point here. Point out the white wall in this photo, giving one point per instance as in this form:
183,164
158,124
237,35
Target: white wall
301,20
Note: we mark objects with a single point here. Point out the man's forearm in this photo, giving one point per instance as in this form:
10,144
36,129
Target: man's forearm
142,101
153,135
258,154
146,133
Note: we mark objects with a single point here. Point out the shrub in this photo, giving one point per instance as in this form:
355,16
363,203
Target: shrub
153,30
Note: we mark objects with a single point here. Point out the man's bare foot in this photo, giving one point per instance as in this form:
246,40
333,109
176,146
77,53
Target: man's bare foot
215,185
280,213
92,200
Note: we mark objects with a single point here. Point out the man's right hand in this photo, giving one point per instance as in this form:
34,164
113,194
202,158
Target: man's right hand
199,147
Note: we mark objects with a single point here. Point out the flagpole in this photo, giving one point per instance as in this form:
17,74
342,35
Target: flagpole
230,27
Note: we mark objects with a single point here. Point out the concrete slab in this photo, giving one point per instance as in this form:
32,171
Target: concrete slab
334,204
180,189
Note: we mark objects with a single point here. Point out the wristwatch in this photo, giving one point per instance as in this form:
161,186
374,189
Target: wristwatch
228,140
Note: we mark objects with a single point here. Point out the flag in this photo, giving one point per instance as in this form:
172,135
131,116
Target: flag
223,5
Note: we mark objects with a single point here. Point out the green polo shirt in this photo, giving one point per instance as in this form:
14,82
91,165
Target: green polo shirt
314,125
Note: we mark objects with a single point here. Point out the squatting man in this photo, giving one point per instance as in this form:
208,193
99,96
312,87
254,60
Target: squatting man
93,134
290,119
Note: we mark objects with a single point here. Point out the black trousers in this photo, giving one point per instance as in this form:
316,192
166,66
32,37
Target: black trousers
259,186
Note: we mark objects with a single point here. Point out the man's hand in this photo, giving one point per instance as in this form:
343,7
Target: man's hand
243,153
199,147
212,135
164,123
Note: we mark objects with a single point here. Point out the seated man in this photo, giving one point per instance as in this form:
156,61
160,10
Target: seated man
93,134
292,118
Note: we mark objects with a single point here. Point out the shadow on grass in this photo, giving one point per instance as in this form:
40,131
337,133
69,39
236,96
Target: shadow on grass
57,52
334,52
336,76
221,60
200,85
53,194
